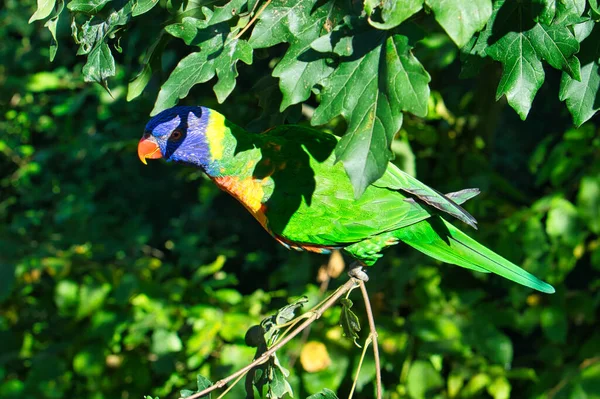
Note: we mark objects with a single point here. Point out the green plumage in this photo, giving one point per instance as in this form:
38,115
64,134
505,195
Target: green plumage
308,201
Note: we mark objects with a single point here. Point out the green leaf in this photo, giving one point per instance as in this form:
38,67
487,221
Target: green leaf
554,324
557,45
392,12
522,73
143,6
569,12
423,380
324,394
461,18
100,64
281,21
87,6
152,63
66,296
499,388
269,97
588,202
89,362
300,68
563,222
201,384
51,24
520,44
581,97
349,321
44,8
395,82
164,342
91,298
278,386
7,280
200,67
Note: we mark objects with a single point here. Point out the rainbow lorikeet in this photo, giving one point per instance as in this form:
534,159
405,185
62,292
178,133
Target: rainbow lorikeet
287,178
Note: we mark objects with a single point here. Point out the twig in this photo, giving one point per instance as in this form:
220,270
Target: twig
265,356
252,20
360,362
562,383
365,295
306,333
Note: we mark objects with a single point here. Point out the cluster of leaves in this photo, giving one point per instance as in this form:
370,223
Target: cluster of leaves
118,280
355,56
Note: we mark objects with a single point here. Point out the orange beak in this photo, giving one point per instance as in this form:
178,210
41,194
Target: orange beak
148,148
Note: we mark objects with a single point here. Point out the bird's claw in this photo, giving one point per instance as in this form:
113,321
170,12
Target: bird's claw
356,271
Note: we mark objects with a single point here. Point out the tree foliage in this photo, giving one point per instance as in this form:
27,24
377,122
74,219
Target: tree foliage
118,280
357,56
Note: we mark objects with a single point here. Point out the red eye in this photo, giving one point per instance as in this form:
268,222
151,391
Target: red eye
175,135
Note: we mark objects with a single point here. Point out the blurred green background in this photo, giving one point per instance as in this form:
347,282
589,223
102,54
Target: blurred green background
119,280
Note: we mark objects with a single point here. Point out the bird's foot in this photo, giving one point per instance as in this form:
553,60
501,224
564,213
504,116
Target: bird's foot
356,271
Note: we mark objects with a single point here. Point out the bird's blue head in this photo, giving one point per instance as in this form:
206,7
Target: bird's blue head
177,134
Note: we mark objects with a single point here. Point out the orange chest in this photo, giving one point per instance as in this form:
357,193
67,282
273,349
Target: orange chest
248,191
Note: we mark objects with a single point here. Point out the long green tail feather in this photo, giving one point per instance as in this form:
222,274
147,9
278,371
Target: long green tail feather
440,240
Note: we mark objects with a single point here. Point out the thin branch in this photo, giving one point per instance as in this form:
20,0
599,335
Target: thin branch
252,20
562,383
265,356
365,295
360,363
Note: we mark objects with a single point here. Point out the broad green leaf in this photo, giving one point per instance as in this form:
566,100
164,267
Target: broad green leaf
392,13
44,8
89,362
395,82
164,342
300,68
51,24
152,63
520,44
100,64
563,222
201,384
588,202
213,58
423,380
278,386
225,66
554,324
499,388
557,45
522,74
461,18
544,11
349,321
143,6
91,298
324,394
269,97
66,296
187,30
87,6
281,21
569,12
581,97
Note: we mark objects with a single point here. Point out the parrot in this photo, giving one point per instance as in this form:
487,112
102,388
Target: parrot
288,179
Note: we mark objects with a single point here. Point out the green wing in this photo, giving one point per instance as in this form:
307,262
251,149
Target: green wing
395,178
440,240
313,200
